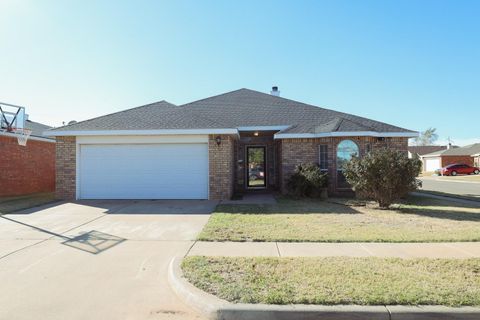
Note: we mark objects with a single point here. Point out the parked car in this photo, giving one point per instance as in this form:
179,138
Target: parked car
255,174
454,169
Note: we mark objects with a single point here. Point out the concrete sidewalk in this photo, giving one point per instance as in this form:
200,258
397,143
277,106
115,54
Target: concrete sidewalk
455,250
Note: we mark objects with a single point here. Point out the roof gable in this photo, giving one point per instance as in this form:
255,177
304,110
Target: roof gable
231,110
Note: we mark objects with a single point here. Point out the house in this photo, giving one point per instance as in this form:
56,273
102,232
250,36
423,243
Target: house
208,149
439,159
27,169
423,150
476,160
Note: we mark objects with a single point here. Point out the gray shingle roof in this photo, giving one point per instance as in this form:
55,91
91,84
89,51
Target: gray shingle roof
37,128
469,150
240,108
422,150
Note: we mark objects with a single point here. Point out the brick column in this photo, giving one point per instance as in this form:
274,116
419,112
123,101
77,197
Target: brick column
221,167
65,167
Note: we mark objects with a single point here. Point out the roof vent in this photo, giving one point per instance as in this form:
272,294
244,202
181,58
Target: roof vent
275,91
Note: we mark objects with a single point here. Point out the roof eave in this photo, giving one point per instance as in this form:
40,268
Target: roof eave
346,134
50,133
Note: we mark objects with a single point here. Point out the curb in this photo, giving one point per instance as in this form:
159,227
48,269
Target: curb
212,307
202,302
426,194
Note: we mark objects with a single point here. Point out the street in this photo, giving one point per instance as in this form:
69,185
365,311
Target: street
466,186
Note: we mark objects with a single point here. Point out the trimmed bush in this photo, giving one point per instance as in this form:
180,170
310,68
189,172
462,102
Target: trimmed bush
307,181
384,175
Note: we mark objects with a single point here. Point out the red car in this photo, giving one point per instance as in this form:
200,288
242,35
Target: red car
454,169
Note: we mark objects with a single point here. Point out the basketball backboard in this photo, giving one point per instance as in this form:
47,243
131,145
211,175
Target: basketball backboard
12,121
12,117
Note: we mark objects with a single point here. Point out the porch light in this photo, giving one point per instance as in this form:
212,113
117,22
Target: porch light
255,133
218,140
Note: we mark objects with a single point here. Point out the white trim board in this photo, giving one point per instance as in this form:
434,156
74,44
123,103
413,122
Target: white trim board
263,128
347,134
142,139
231,131
15,135
139,132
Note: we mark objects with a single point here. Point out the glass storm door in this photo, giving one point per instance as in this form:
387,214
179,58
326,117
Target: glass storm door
256,177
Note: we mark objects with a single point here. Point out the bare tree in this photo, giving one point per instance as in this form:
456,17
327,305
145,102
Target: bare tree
427,137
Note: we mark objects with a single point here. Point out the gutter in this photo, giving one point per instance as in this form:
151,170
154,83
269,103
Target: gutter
235,131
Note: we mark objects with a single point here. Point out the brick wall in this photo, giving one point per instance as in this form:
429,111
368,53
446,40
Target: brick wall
298,151
26,169
221,167
66,168
446,160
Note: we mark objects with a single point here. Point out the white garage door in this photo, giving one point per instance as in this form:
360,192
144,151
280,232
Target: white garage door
432,164
144,171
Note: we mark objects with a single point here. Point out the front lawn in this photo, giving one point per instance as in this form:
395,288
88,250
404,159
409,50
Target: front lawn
415,220
338,280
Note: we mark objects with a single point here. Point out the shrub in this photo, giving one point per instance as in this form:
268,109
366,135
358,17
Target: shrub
384,175
307,181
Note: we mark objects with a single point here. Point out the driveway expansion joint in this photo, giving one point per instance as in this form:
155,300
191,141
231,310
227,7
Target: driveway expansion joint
190,248
389,313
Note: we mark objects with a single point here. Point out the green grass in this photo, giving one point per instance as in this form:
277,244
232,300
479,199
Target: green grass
415,220
339,280
11,204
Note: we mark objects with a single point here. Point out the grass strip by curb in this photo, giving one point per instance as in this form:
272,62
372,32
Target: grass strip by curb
338,280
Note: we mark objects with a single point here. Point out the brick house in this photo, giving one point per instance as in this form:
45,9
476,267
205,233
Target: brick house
239,141
462,155
27,169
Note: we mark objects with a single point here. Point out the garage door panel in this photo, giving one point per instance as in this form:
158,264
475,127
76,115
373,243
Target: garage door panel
432,164
156,171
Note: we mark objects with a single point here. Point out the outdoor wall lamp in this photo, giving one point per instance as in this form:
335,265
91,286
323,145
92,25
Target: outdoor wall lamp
255,133
218,140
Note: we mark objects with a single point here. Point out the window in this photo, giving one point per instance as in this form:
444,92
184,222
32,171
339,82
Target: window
346,150
256,167
323,157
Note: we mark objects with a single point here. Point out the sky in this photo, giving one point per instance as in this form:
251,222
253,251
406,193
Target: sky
414,64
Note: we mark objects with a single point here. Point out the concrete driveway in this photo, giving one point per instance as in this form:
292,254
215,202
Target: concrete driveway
96,259
463,186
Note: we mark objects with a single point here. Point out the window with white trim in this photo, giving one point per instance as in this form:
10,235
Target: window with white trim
346,150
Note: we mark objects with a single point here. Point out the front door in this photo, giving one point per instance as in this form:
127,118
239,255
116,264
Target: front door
256,173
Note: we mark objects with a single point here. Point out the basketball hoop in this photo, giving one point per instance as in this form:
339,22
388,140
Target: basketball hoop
12,120
22,135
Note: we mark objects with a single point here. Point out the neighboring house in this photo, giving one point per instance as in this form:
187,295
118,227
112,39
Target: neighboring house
27,169
423,150
440,159
476,160
208,149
